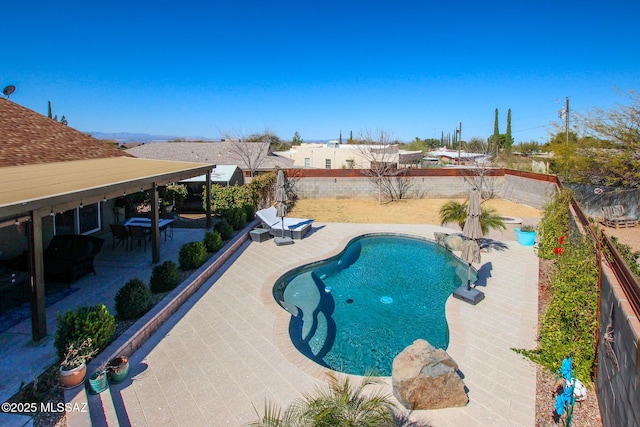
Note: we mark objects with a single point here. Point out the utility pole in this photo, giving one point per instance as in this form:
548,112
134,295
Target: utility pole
566,121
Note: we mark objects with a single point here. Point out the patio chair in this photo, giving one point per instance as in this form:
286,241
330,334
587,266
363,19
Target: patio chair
120,235
615,216
138,234
297,227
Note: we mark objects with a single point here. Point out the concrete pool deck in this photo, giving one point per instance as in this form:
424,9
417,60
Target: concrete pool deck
227,350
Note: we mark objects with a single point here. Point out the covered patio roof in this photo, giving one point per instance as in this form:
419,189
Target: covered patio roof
32,191
59,186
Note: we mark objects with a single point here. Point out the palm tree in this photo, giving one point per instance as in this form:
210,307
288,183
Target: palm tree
453,211
341,404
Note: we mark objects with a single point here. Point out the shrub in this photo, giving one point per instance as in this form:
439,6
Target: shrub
236,217
85,322
225,230
570,323
164,277
249,210
554,225
133,300
192,255
212,241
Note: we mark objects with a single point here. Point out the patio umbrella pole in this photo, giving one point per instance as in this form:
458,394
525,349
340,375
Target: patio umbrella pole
472,231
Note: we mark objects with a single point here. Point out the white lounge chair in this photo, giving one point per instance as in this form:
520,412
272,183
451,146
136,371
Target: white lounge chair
298,227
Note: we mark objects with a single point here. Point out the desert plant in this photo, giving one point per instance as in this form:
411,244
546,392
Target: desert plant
453,211
164,277
225,230
341,403
192,255
77,353
75,326
133,300
212,241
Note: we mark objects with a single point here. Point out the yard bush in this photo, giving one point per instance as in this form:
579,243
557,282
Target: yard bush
212,241
236,217
250,211
554,225
164,277
85,322
133,300
569,324
192,255
225,230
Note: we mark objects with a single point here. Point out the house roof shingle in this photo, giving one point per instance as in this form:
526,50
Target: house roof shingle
207,152
27,138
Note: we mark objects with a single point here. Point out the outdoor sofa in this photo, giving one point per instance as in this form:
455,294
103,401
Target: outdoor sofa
67,258
297,228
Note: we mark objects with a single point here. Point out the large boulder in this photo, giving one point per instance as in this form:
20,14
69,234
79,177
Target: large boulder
425,377
453,242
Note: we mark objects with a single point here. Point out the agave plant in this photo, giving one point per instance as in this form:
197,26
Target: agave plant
453,211
339,404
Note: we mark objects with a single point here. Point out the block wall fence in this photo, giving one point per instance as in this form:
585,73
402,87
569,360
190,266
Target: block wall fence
521,187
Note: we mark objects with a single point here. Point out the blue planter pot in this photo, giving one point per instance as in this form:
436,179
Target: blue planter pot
98,382
525,238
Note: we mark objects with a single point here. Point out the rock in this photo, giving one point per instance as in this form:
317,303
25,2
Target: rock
425,377
439,237
453,242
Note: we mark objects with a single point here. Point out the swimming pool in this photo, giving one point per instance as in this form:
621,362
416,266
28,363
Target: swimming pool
356,311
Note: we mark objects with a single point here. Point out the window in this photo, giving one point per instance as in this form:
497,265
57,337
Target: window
307,162
327,163
78,221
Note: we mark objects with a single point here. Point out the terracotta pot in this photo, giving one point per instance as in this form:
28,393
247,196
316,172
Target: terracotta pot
72,378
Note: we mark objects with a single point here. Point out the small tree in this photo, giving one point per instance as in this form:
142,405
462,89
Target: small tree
454,211
297,139
380,155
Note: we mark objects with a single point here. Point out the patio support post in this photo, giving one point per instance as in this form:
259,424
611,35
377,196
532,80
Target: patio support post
155,231
208,192
36,277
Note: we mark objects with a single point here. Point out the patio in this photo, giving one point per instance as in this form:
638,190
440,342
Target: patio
23,359
227,349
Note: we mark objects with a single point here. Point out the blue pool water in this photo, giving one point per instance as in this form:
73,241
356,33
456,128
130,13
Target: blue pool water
356,311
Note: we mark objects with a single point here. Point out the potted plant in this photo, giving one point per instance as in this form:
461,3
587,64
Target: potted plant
98,380
526,235
73,367
118,369
175,194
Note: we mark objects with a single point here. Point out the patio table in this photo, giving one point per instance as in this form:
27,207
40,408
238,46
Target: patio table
163,224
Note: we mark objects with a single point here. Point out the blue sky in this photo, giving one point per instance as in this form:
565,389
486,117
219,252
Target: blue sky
412,68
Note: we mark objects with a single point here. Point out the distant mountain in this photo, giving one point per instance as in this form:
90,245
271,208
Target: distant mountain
123,137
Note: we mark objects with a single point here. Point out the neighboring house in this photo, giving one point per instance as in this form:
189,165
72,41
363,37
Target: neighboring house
334,155
246,155
57,180
445,155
